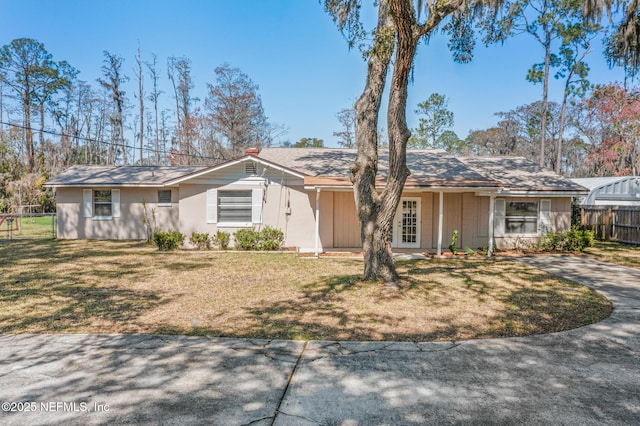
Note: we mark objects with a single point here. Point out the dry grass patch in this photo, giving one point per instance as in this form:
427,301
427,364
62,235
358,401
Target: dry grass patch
618,253
128,287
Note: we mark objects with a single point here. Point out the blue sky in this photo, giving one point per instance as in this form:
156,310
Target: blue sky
290,48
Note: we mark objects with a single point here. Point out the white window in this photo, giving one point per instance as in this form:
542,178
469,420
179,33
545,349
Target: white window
521,217
101,204
164,197
234,208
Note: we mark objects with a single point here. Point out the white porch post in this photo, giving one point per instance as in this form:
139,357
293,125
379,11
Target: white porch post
492,204
317,222
440,223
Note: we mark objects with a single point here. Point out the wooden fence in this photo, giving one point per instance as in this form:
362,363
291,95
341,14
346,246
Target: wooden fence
613,223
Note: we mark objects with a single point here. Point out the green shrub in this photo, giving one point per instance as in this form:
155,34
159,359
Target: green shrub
454,242
572,240
271,238
166,241
588,238
201,241
247,239
551,242
221,240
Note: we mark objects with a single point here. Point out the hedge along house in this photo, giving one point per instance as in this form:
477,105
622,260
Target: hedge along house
307,193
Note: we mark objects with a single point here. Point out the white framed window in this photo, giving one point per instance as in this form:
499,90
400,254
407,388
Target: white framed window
164,198
521,217
234,208
101,204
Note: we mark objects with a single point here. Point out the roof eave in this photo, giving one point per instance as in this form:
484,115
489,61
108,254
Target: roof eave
543,193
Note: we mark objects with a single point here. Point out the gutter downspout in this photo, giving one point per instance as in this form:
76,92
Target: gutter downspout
440,223
492,204
317,251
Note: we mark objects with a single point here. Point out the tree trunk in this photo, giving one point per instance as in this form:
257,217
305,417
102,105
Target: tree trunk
545,96
376,212
378,260
563,112
141,99
41,130
155,108
29,139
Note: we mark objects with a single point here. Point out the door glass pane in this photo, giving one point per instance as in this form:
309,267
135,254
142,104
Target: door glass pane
409,221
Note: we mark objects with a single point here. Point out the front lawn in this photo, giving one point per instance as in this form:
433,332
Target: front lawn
618,253
129,287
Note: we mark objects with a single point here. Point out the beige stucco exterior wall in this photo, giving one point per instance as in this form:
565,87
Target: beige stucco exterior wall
291,208
129,226
298,226
560,214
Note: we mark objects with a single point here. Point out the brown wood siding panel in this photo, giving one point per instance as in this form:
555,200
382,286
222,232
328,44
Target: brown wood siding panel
481,235
470,217
346,229
452,217
426,229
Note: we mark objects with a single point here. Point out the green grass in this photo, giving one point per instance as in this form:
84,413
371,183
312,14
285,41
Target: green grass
51,286
29,227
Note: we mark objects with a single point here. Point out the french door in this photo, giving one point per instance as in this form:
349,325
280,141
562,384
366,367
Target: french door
406,224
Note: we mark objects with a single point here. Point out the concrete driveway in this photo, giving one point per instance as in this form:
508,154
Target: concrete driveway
586,376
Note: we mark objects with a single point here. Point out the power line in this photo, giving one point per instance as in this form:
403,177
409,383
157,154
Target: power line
116,145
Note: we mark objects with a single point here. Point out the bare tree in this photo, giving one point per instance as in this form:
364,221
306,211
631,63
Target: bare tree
152,67
179,72
236,110
140,78
347,134
113,79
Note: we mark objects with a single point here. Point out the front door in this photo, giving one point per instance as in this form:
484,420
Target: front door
406,224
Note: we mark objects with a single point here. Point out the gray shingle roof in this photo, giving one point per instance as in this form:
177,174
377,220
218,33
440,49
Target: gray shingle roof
118,176
428,167
520,174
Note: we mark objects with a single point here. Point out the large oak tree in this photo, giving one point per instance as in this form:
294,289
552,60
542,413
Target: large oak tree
396,36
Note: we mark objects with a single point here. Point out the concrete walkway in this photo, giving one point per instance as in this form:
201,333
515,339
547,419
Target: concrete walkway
588,376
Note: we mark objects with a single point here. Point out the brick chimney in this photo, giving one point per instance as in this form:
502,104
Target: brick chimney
252,151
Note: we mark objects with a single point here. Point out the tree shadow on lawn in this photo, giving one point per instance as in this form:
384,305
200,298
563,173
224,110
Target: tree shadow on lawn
65,307
57,251
65,286
346,308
